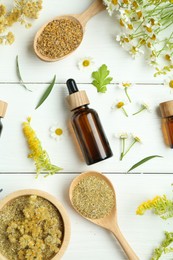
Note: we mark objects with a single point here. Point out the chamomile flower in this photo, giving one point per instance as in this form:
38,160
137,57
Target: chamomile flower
112,5
124,40
56,132
135,52
123,137
85,63
143,107
169,82
120,105
136,139
126,85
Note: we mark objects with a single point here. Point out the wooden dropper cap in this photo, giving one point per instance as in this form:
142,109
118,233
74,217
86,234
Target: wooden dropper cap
166,108
3,108
76,98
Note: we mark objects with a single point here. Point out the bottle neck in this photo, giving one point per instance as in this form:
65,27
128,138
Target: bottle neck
80,108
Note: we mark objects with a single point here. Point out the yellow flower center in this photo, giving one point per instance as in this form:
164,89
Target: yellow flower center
120,104
167,57
58,131
130,26
139,14
137,139
114,2
86,63
126,84
171,83
149,29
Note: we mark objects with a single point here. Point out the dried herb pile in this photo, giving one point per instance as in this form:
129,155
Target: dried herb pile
30,228
93,197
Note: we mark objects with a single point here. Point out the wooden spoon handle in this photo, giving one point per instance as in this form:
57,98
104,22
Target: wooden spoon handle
124,244
96,7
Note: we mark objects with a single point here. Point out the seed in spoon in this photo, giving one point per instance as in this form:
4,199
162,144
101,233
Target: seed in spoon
59,38
93,198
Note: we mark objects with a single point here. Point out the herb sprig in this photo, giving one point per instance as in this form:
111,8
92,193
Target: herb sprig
101,79
19,75
46,93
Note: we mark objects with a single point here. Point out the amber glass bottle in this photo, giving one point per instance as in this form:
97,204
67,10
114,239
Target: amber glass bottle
87,126
166,109
3,107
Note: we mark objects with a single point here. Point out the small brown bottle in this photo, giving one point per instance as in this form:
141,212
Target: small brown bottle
166,109
87,126
3,108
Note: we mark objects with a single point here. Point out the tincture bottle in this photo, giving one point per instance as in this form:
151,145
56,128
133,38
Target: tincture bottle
87,126
3,108
166,109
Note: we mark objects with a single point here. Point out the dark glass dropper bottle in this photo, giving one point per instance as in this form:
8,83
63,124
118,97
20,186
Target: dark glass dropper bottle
87,126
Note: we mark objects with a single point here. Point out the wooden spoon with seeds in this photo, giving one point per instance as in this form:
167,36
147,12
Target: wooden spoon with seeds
109,221
43,48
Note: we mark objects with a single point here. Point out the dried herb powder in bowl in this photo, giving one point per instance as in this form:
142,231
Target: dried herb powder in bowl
30,228
93,198
59,38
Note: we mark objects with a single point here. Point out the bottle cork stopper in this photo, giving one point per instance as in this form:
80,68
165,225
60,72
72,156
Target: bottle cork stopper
166,108
77,99
3,108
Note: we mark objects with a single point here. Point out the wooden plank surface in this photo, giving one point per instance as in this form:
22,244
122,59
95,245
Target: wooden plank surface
88,241
16,170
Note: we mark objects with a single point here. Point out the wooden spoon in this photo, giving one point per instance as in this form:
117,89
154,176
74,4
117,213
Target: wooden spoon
82,19
110,221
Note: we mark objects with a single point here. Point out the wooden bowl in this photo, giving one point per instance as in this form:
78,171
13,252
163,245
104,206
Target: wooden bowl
56,204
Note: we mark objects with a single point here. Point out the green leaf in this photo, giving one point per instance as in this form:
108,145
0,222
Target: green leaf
143,161
101,79
19,75
46,93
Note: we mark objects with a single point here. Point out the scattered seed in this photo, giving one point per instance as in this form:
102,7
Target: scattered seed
59,38
93,197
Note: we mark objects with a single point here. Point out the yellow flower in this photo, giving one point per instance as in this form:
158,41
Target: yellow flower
2,10
40,156
22,9
160,205
10,38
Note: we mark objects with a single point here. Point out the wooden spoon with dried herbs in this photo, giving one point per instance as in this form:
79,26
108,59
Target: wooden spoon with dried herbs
61,36
92,195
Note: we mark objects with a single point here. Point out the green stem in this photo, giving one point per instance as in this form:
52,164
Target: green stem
165,44
125,112
128,149
139,111
123,149
126,92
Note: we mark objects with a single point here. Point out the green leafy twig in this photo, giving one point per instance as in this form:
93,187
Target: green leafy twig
160,205
46,93
101,79
143,161
19,75
37,153
164,247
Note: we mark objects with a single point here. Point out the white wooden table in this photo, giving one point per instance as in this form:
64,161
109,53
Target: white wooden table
17,171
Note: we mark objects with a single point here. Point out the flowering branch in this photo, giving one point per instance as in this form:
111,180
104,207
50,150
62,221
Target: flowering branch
142,24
